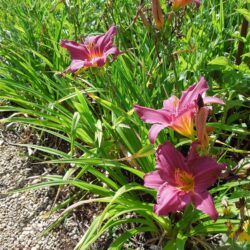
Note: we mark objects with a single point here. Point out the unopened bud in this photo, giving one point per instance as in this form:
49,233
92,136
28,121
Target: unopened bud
200,121
177,4
157,14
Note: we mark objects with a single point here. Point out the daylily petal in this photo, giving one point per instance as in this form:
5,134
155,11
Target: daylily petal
204,202
152,115
205,171
153,180
170,199
212,99
75,65
168,160
113,51
76,50
105,40
171,104
183,124
91,40
192,154
189,97
154,131
99,61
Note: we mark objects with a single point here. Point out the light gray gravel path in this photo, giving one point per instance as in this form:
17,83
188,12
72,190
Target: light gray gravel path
21,214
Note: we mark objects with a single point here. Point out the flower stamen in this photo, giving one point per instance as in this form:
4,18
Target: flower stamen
184,180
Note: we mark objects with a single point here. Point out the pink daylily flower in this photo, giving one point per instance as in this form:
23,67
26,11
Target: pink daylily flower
176,113
93,52
180,181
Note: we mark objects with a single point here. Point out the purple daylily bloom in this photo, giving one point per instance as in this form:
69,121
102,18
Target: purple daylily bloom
180,181
93,52
176,113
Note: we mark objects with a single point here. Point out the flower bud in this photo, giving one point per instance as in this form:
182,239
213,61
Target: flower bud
157,14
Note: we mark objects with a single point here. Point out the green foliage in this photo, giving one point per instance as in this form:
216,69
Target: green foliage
92,113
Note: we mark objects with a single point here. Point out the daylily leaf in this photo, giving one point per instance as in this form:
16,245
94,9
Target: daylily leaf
245,13
221,61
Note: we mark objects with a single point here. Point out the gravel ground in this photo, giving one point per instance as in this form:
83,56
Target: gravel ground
21,214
